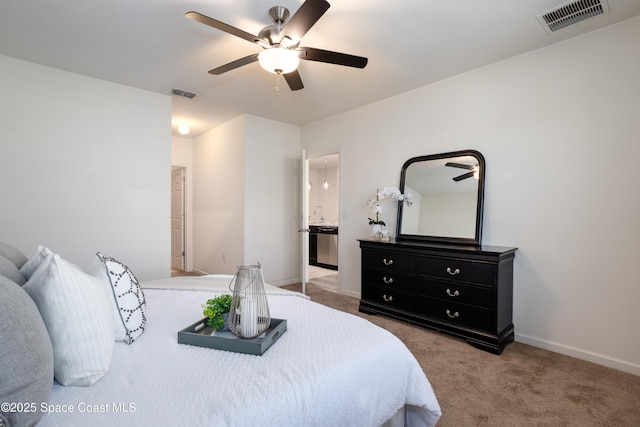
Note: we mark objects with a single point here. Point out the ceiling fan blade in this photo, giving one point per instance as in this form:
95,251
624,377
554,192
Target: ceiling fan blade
293,80
465,176
198,17
235,64
460,165
304,18
313,54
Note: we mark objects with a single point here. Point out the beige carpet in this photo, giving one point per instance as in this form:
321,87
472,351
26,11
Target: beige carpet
525,386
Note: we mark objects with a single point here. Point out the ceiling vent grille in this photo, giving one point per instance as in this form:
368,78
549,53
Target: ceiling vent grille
179,92
571,13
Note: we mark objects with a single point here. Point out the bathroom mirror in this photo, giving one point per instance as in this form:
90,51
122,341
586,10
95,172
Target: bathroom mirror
447,195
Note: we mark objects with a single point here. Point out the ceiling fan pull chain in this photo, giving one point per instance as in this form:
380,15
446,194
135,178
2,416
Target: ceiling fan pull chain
277,85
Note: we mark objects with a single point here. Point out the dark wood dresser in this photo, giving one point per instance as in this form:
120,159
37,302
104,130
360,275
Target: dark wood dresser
465,291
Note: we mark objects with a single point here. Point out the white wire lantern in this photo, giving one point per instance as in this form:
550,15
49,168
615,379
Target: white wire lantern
249,314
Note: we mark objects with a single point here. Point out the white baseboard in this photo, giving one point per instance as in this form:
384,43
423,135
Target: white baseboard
285,282
581,354
349,293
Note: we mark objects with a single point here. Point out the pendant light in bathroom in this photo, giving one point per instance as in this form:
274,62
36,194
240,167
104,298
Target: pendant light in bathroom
325,184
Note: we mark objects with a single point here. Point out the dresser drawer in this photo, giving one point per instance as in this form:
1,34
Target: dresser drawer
389,260
388,297
456,292
453,269
458,314
389,279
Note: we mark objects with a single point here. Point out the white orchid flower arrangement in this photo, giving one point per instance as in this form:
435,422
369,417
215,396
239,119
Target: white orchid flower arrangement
392,193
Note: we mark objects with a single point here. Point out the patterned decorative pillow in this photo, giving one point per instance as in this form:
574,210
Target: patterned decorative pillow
128,301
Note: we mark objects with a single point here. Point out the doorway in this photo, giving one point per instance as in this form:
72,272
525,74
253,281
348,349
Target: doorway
323,209
177,218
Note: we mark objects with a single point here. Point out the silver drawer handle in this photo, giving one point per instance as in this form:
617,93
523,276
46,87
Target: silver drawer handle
454,294
387,298
454,272
389,262
387,281
454,315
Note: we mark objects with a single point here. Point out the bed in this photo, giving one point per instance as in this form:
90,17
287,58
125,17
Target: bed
328,368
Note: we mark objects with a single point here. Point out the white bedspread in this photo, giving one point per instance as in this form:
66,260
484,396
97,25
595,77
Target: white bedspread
329,369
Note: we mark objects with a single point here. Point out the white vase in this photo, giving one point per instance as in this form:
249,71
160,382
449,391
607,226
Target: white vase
376,231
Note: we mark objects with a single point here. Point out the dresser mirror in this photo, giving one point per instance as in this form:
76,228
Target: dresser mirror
447,196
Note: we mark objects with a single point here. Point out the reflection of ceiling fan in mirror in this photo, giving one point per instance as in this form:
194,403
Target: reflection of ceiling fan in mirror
281,54
474,169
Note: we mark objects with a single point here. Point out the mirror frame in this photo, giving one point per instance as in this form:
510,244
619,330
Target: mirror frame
477,239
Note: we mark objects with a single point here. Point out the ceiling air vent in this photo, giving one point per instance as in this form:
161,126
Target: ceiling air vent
179,92
571,13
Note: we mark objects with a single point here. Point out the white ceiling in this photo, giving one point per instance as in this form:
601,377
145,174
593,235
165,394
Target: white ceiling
149,44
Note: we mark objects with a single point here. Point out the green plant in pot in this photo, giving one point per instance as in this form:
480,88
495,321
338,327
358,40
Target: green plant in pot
216,310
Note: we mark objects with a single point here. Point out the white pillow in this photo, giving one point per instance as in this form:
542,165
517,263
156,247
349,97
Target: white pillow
127,299
75,309
32,264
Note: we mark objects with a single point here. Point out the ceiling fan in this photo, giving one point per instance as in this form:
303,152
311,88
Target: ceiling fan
473,170
280,41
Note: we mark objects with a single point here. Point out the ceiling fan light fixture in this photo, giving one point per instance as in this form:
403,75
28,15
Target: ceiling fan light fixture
278,60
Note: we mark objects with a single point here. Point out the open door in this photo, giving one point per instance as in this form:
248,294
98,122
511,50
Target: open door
304,221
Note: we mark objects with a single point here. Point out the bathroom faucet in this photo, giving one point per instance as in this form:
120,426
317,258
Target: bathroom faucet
316,209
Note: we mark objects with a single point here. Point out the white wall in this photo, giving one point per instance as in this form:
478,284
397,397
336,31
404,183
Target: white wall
559,130
247,198
84,167
218,198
